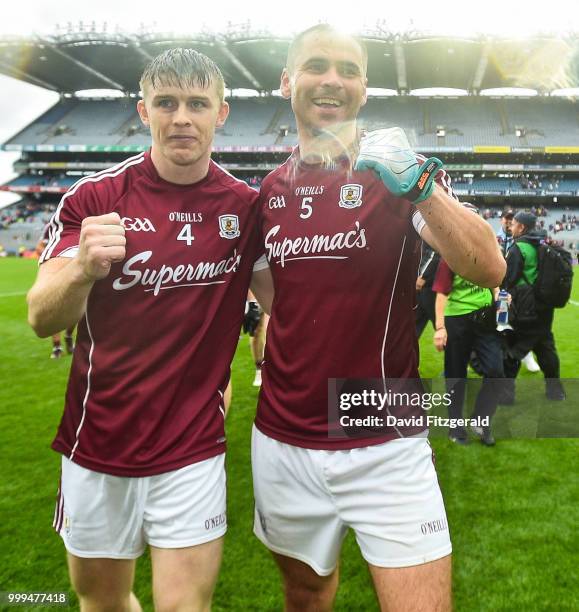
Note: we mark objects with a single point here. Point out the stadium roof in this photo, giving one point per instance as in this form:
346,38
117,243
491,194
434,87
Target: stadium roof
81,60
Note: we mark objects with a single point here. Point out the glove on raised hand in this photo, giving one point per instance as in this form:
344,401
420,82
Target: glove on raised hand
387,152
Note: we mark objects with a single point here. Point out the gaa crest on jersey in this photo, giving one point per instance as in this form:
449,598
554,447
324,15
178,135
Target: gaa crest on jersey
350,195
229,226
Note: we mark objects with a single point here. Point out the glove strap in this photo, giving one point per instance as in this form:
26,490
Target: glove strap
423,184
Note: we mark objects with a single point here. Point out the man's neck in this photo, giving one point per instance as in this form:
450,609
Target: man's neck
180,175
325,146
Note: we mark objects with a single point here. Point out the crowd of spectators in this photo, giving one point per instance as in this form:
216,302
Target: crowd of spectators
495,213
516,181
24,210
564,223
51,180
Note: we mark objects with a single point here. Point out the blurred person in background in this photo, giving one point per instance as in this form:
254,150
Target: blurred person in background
533,320
425,296
505,238
466,322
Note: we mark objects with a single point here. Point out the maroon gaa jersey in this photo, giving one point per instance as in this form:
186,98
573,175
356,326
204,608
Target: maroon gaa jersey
153,351
344,255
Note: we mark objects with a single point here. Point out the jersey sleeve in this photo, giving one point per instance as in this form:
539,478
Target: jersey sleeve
258,251
64,226
418,221
443,279
261,264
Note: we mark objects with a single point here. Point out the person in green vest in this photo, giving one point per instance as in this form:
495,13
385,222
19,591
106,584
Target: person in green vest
534,322
466,321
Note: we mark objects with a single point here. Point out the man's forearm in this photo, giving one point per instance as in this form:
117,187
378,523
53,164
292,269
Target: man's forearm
262,288
439,306
463,239
57,301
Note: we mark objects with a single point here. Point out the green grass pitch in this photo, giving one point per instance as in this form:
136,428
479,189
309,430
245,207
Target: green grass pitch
513,510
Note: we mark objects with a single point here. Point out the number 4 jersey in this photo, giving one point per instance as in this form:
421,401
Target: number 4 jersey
153,351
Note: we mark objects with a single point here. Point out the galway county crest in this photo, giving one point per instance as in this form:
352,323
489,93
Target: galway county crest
350,195
229,226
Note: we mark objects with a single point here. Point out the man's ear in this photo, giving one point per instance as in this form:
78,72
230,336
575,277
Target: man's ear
142,110
365,98
285,84
222,114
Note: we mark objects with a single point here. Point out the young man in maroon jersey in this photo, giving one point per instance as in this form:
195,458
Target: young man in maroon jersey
343,245
153,259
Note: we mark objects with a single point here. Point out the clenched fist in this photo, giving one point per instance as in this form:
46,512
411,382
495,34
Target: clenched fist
102,243
440,339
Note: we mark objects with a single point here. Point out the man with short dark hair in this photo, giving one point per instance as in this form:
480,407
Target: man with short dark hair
342,232
504,235
466,322
505,238
534,321
152,258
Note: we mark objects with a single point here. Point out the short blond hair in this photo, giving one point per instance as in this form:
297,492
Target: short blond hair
321,28
182,68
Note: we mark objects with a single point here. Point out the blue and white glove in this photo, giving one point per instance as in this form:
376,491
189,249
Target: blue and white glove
388,153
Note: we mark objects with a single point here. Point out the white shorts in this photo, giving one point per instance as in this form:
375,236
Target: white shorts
305,501
114,517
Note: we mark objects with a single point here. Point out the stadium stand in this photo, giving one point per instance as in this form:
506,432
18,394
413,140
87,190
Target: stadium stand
252,122
268,121
499,151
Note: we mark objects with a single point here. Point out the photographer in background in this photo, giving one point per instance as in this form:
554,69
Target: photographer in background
255,324
466,322
533,318
425,296
504,235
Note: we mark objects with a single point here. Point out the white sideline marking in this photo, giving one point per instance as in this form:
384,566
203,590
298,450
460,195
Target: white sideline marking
16,293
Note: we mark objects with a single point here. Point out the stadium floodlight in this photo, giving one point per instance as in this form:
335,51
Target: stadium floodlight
99,93
568,92
380,92
243,93
510,92
432,92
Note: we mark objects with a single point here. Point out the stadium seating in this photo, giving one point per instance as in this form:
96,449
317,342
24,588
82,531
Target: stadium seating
268,121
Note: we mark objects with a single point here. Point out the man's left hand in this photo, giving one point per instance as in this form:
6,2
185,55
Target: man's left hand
387,152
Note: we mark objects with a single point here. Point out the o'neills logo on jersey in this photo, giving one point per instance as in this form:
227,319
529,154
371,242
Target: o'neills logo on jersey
186,217
167,277
312,247
134,224
307,190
